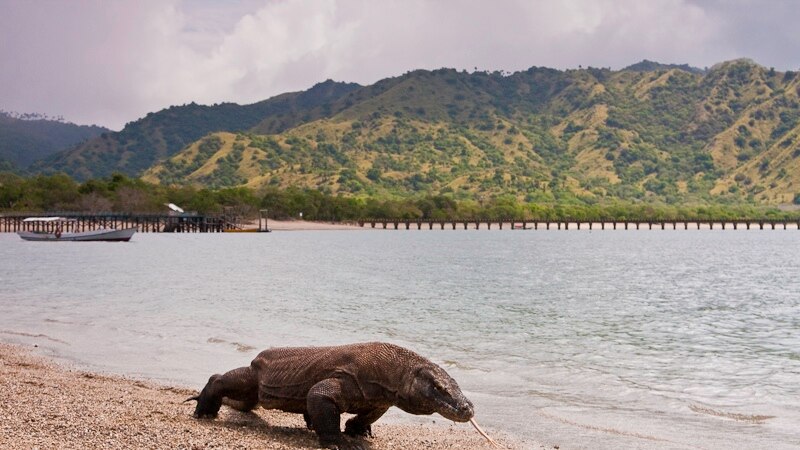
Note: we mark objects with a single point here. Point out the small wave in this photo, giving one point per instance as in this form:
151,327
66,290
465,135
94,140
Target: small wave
244,348
59,321
748,418
40,335
456,364
606,429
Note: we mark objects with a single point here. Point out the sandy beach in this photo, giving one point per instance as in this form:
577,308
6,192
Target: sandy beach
48,405
298,225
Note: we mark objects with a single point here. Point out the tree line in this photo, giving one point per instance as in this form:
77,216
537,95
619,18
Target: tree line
122,194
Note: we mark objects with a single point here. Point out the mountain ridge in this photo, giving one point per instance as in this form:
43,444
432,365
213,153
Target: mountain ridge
670,133
160,134
25,138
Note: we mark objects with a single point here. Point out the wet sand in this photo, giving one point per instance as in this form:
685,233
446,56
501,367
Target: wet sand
298,225
47,405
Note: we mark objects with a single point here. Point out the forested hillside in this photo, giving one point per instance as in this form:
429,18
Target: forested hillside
649,132
28,137
161,134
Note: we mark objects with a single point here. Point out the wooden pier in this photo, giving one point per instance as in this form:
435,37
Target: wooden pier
146,223
194,223
610,224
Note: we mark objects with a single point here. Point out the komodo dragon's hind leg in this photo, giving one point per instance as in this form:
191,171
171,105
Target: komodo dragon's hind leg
361,424
238,387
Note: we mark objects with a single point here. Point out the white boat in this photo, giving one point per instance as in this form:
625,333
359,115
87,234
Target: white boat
61,229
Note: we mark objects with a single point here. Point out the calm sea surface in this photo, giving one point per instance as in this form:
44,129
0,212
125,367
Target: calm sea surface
604,339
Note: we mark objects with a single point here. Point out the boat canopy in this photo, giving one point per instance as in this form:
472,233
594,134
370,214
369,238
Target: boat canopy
48,219
174,207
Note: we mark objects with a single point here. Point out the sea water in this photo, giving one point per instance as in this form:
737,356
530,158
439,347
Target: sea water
581,339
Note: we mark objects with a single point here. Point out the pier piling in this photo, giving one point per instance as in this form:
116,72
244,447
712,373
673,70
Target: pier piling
565,224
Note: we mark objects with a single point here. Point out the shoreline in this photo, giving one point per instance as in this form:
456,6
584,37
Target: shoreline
48,404
303,225
516,225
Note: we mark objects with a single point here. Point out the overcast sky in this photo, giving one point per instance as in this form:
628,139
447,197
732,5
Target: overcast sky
109,62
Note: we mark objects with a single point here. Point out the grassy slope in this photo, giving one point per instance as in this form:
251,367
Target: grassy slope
160,135
669,135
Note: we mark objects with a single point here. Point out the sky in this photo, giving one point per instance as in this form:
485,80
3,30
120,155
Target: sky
109,62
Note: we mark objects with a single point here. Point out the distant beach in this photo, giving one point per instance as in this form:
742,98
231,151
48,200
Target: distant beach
47,405
300,225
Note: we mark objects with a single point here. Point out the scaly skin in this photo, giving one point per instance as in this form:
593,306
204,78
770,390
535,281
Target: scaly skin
323,382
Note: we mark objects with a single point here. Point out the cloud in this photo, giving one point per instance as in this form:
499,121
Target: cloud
112,62
86,62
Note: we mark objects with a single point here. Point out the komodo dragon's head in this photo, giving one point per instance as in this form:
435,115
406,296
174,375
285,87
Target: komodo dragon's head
432,390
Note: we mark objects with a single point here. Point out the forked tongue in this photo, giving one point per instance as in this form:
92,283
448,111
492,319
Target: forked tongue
483,433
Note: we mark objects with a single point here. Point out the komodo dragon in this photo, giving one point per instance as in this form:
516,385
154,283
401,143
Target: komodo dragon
323,382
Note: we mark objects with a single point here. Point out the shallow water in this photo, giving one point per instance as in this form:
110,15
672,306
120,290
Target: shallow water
604,339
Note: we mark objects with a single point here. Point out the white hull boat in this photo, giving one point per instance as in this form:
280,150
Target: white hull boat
105,234
62,229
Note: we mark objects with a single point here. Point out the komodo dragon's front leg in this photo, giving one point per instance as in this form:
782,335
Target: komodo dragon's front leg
325,403
238,388
361,424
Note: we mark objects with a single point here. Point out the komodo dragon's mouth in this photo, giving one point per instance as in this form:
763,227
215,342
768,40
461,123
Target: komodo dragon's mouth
454,413
465,414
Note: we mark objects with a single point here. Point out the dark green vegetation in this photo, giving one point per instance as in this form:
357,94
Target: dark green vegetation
120,193
650,133
652,66
656,136
159,135
25,140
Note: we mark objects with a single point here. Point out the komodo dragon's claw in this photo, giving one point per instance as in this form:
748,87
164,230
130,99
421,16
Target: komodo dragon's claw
345,445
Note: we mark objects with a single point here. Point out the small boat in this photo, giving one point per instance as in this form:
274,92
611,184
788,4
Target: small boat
60,229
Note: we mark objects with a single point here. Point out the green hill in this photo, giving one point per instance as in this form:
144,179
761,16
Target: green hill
672,134
162,134
651,66
30,137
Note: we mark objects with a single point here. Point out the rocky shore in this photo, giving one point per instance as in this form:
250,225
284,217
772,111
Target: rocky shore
47,405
